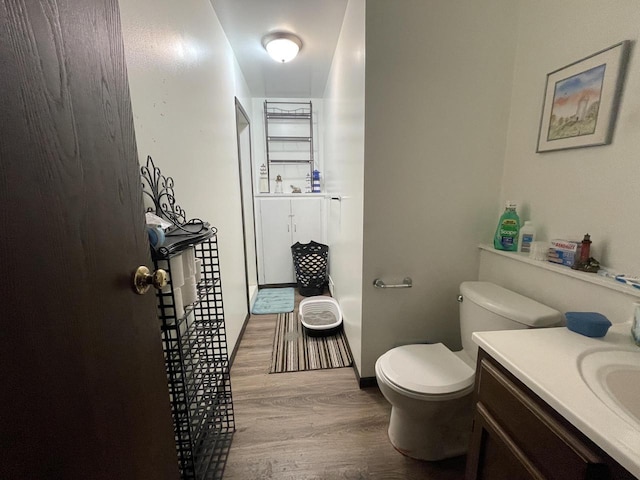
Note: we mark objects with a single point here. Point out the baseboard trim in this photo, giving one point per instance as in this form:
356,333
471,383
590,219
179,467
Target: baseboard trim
368,382
232,357
364,382
277,285
254,296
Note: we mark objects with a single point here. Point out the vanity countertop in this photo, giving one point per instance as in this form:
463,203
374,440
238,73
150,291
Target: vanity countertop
547,361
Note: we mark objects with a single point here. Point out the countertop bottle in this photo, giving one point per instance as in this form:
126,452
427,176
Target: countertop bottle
315,186
506,237
526,237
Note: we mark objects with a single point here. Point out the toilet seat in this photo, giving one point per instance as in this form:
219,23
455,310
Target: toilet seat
427,371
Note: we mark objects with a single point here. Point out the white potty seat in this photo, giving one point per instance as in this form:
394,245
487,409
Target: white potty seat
426,372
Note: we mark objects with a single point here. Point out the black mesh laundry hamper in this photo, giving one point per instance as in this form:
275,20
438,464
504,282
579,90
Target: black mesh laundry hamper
310,261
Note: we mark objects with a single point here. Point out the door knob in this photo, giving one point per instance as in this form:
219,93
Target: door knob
143,279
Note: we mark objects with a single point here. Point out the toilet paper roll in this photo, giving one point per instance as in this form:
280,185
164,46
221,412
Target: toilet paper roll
176,274
189,262
189,291
167,288
178,303
198,270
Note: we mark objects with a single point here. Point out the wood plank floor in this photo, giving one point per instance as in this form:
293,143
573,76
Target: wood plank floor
312,425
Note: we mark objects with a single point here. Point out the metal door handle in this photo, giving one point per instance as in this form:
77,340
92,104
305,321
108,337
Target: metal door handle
143,279
406,283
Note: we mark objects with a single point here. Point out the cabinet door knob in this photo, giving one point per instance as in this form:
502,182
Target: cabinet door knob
143,279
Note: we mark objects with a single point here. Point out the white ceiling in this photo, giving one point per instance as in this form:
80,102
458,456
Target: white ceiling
316,22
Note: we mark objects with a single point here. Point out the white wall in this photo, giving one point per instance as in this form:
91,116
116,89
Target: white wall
344,166
438,86
572,192
183,78
595,189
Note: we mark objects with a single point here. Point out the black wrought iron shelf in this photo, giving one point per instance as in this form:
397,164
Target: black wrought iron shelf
179,241
198,369
204,421
211,453
204,375
194,342
188,310
191,339
204,288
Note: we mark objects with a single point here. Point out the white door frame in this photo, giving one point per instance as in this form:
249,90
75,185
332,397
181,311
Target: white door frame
245,164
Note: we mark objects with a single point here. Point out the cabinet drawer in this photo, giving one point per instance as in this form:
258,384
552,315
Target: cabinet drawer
549,446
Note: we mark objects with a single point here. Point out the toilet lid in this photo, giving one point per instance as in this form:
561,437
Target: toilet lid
430,369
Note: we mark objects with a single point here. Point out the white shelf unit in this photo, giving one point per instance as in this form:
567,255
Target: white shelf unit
599,280
288,128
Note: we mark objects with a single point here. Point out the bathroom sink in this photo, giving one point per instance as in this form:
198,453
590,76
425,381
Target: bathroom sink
613,375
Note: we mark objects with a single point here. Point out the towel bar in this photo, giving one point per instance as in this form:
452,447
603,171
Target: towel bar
406,283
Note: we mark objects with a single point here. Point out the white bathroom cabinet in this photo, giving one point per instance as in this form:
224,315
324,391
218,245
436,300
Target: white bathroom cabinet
282,222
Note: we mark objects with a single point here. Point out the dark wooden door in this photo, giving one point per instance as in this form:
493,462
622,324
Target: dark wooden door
82,382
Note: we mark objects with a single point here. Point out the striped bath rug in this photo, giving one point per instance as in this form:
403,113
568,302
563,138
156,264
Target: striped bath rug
295,351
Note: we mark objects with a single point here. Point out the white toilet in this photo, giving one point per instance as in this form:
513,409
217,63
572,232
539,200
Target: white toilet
429,387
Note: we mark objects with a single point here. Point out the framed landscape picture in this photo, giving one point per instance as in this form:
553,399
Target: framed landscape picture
581,101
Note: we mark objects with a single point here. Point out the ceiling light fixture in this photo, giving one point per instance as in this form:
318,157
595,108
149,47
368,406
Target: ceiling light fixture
283,47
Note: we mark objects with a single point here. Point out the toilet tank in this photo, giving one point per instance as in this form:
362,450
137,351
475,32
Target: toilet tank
485,306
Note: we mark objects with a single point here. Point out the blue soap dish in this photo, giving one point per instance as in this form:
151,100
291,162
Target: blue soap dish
589,324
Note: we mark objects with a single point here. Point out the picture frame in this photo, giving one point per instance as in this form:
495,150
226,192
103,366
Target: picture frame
581,101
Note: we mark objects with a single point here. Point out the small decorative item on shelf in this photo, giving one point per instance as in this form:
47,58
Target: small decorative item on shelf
307,187
278,188
295,189
586,263
264,181
316,181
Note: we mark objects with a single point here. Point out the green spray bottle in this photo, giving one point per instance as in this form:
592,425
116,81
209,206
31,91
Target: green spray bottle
506,237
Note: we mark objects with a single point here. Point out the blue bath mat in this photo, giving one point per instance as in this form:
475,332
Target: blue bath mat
273,300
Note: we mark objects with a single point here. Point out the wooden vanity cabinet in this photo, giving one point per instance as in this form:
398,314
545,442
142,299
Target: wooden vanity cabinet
516,435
